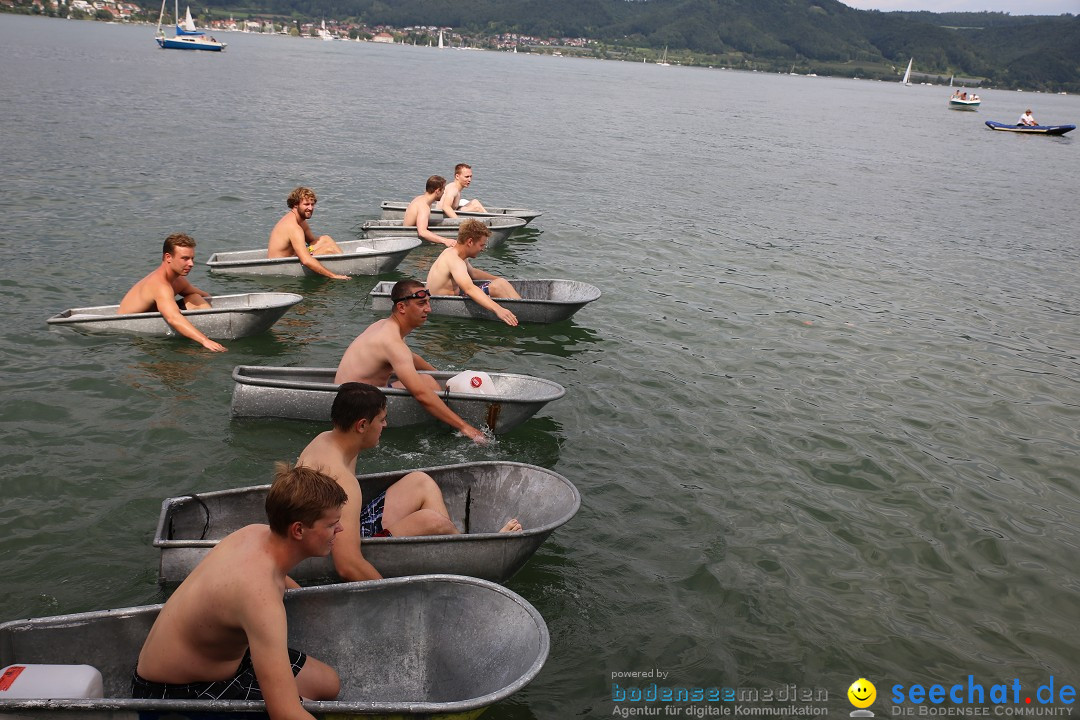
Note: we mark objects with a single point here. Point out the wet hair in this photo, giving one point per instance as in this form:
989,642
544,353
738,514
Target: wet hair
300,493
176,240
472,229
461,166
435,182
403,288
356,401
299,195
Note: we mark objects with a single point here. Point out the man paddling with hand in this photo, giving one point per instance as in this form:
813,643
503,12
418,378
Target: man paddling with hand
157,292
379,355
453,274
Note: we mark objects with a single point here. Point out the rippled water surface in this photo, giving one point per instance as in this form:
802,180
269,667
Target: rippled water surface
823,419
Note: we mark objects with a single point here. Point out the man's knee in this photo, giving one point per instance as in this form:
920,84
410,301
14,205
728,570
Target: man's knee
417,486
501,288
318,681
325,245
196,302
430,522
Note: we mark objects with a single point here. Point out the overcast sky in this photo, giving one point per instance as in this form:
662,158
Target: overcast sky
1015,7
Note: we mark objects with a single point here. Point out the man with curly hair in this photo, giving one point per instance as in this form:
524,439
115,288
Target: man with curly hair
292,236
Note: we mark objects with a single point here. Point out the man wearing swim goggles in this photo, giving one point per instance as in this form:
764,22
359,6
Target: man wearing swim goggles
379,356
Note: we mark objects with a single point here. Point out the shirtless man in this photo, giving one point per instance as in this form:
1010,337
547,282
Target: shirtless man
411,506
222,634
380,351
453,274
452,201
418,213
158,290
292,236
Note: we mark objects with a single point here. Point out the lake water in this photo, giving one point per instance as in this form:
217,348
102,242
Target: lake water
823,419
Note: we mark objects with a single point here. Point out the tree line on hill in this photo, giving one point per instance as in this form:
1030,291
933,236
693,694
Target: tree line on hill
821,36
1035,52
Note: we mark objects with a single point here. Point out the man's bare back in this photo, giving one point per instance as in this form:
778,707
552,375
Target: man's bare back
367,358
143,295
200,629
418,212
417,206
440,279
225,628
285,234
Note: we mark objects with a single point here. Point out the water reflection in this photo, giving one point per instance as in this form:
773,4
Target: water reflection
456,340
261,441
180,368
518,242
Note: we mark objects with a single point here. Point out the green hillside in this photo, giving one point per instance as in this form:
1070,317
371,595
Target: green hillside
820,36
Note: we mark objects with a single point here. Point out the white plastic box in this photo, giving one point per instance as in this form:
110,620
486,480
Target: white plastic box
473,382
27,680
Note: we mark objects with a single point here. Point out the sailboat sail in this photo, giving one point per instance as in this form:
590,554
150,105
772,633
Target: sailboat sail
907,74
440,40
187,27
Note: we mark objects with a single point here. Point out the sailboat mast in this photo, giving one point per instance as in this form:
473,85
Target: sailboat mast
161,17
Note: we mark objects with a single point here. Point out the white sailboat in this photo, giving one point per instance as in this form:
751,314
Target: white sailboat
907,74
663,60
187,36
440,40
324,33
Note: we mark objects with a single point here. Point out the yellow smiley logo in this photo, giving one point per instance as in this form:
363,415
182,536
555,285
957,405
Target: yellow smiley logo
862,693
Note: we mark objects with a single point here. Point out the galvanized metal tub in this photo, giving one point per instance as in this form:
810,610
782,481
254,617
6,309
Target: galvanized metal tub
480,497
542,301
370,256
231,317
305,393
395,210
501,227
436,646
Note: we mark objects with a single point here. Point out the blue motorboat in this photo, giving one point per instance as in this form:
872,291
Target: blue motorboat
1031,129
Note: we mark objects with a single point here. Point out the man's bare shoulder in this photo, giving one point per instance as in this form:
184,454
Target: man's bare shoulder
439,276
241,559
142,297
281,237
323,455
249,539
